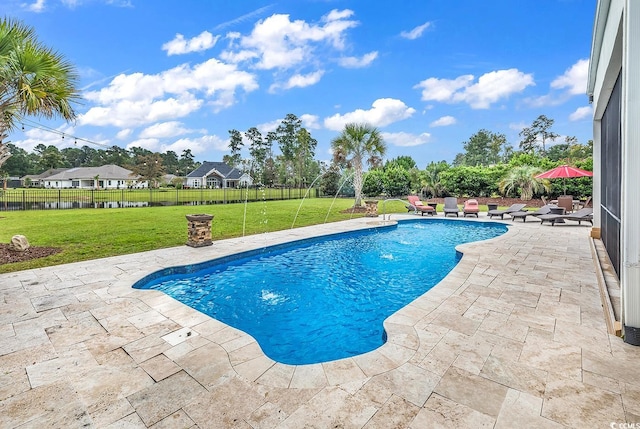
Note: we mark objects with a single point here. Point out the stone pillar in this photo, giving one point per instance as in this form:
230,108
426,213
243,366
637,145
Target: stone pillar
371,208
199,230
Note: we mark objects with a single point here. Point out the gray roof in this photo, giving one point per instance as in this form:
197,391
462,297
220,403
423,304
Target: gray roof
225,170
44,175
112,172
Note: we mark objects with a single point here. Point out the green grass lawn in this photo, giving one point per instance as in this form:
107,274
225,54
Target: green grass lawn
96,233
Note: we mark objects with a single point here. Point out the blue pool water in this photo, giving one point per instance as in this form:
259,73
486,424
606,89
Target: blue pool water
325,298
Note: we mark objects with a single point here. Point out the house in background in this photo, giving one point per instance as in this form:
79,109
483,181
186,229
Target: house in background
613,88
218,175
37,180
105,177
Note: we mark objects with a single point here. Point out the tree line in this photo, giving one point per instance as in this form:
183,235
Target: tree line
487,167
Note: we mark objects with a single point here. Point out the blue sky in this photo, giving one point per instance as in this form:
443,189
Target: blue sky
168,75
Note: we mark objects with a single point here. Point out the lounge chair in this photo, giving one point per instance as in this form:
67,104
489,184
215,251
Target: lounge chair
501,213
585,214
546,209
471,208
451,206
416,206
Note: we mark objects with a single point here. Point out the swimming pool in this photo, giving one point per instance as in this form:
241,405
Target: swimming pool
325,298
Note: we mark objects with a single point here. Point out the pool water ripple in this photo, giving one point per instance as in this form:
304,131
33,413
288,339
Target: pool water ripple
324,299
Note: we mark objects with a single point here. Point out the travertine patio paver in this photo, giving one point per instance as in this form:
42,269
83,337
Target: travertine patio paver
514,336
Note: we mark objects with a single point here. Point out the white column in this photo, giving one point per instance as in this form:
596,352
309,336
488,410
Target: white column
630,226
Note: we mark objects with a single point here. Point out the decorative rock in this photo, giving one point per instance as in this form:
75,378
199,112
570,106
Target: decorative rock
19,243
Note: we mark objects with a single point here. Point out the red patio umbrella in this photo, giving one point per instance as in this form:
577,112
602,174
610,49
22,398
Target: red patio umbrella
564,171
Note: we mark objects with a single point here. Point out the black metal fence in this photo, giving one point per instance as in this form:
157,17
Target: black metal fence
47,199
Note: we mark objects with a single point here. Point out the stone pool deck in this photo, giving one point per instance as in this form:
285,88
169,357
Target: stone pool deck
514,336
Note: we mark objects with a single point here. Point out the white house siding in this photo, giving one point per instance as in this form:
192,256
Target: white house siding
616,52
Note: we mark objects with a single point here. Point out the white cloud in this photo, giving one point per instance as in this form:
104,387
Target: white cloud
545,100
406,139
310,122
434,89
36,7
416,32
355,62
443,121
279,43
179,45
298,81
149,144
518,126
124,134
581,113
127,113
164,130
489,88
242,18
139,99
36,136
384,111
269,126
198,145
574,78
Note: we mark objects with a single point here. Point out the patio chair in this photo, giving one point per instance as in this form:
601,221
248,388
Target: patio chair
501,213
416,206
451,206
471,208
585,204
546,209
585,214
566,202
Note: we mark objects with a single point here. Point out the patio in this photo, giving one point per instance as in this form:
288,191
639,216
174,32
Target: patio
515,335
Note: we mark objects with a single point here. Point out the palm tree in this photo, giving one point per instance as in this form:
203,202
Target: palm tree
357,142
523,178
34,79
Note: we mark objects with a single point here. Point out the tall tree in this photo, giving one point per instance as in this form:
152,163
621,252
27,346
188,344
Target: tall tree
357,142
117,155
304,151
269,172
258,152
540,130
51,158
34,79
19,164
73,156
287,137
170,161
235,146
484,148
186,163
404,161
150,168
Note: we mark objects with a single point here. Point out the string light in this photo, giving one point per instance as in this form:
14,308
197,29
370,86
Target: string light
42,127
